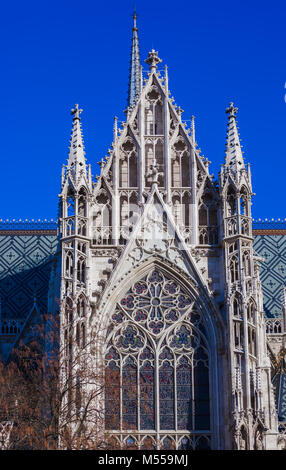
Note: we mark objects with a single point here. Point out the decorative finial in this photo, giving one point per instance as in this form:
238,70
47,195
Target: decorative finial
115,131
134,20
166,80
76,112
231,111
153,60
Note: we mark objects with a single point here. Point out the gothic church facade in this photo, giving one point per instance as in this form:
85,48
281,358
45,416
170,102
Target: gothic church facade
158,272
159,258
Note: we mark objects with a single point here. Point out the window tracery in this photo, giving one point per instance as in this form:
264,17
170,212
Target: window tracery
156,330
208,221
233,265
180,164
128,164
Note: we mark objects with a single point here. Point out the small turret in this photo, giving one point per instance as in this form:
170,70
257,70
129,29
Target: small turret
234,161
76,161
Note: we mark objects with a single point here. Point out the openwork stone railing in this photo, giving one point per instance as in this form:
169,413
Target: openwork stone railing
103,235
274,326
231,225
208,235
10,327
69,226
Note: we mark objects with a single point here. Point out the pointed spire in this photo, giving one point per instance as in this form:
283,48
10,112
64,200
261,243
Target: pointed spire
193,133
135,68
233,158
76,161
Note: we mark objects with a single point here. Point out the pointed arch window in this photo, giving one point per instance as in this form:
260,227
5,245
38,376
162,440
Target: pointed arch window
69,264
251,311
128,164
231,202
244,209
156,330
233,268
153,112
82,209
81,270
208,222
246,263
70,205
180,164
236,306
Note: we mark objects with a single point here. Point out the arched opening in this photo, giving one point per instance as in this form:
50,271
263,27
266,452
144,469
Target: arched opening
233,265
231,202
82,203
133,170
70,204
244,209
157,364
208,221
69,265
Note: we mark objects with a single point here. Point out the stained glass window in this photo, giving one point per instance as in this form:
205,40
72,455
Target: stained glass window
157,365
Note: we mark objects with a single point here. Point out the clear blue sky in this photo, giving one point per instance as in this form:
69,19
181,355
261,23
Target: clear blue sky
58,53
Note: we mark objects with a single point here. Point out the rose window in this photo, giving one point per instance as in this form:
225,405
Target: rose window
155,302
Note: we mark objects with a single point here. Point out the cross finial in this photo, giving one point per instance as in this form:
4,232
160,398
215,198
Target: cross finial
231,110
153,60
76,112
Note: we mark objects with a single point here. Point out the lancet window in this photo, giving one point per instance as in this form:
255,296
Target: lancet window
233,267
180,164
208,222
238,335
153,113
157,366
246,263
69,265
231,202
102,219
70,205
244,207
236,306
251,319
128,165
81,270
82,203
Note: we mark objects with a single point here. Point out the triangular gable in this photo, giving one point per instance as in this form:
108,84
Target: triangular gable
155,235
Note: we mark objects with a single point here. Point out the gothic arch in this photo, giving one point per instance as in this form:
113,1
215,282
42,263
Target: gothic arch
215,323
137,328
231,201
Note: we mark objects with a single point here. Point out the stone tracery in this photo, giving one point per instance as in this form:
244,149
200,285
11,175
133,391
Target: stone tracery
156,331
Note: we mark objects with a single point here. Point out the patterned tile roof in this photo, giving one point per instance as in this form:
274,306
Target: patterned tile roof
25,266
27,248
270,244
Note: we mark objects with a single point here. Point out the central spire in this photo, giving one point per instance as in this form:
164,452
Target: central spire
135,72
